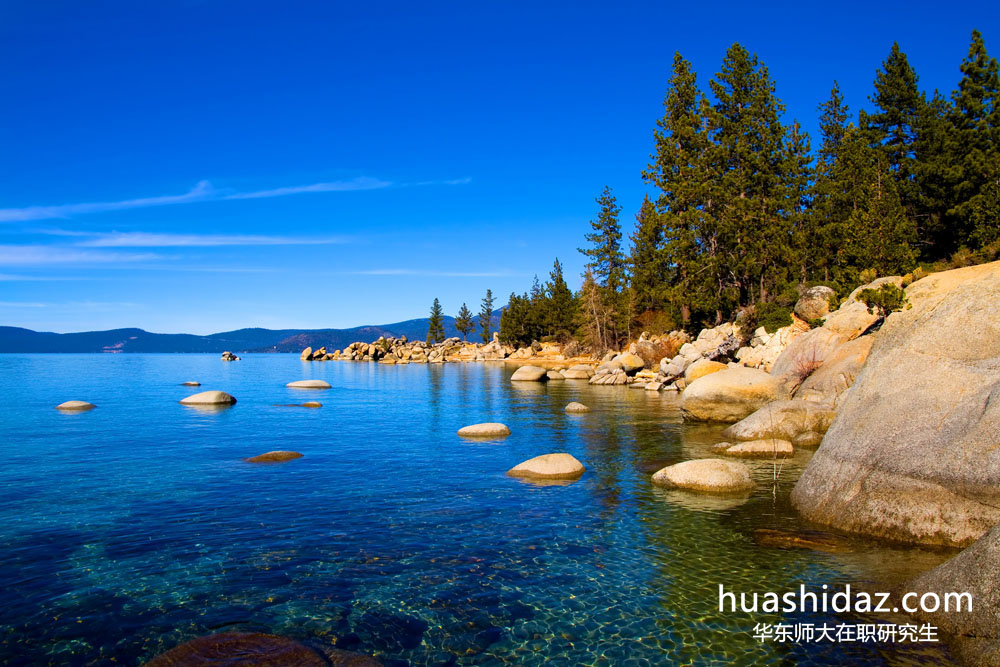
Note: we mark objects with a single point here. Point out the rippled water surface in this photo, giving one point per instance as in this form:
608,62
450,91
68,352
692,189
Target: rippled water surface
134,527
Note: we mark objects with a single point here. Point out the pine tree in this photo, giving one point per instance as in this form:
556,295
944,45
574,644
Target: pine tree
605,253
464,322
435,328
749,235
514,321
649,270
798,177
894,125
976,121
561,313
934,177
486,316
594,317
825,236
679,168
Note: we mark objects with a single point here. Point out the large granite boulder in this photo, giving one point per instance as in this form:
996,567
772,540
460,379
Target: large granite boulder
814,303
913,452
578,372
802,422
729,395
838,372
707,476
529,374
975,571
630,363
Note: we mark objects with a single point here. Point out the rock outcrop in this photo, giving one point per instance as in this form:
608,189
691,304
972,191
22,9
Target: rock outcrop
852,318
913,452
706,475
549,466
729,395
830,381
486,430
229,356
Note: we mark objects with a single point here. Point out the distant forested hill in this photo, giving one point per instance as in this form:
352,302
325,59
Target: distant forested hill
16,339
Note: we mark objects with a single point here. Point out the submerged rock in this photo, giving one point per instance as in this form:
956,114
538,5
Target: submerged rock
812,540
190,384
239,649
529,374
549,466
575,407
912,454
75,406
274,457
706,475
486,430
209,398
729,395
308,384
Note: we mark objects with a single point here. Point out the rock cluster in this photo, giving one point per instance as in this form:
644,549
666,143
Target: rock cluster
229,356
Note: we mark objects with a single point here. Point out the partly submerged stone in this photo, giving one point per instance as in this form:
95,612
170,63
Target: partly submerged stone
75,406
706,475
530,374
486,430
575,407
209,398
578,372
308,384
312,404
239,649
555,375
786,420
190,384
761,449
812,540
549,466
274,457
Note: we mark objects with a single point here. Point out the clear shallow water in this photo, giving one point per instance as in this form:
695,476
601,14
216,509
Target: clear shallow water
131,528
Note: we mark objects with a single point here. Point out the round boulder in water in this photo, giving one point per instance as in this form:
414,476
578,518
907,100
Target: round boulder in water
75,406
209,398
487,430
706,475
239,649
274,457
576,408
308,384
549,466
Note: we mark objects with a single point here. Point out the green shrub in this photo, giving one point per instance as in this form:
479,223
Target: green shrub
884,300
772,316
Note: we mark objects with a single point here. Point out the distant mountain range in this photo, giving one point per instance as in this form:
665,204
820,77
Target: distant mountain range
16,339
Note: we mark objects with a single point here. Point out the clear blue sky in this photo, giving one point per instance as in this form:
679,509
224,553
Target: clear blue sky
203,166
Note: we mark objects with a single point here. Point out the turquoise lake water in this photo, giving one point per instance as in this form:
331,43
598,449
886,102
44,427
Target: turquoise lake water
129,529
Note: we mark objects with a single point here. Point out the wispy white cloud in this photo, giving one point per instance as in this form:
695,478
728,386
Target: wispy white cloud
71,305
200,192
41,255
334,186
155,240
203,191
13,277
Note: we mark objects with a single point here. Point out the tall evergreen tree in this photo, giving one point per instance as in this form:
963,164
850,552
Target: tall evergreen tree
894,124
798,177
647,259
486,316
976,119
435,327
464,322
514,321
679,168
605,253
825,236
749,233
562,305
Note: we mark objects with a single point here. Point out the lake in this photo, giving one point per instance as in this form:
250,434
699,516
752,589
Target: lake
131,528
